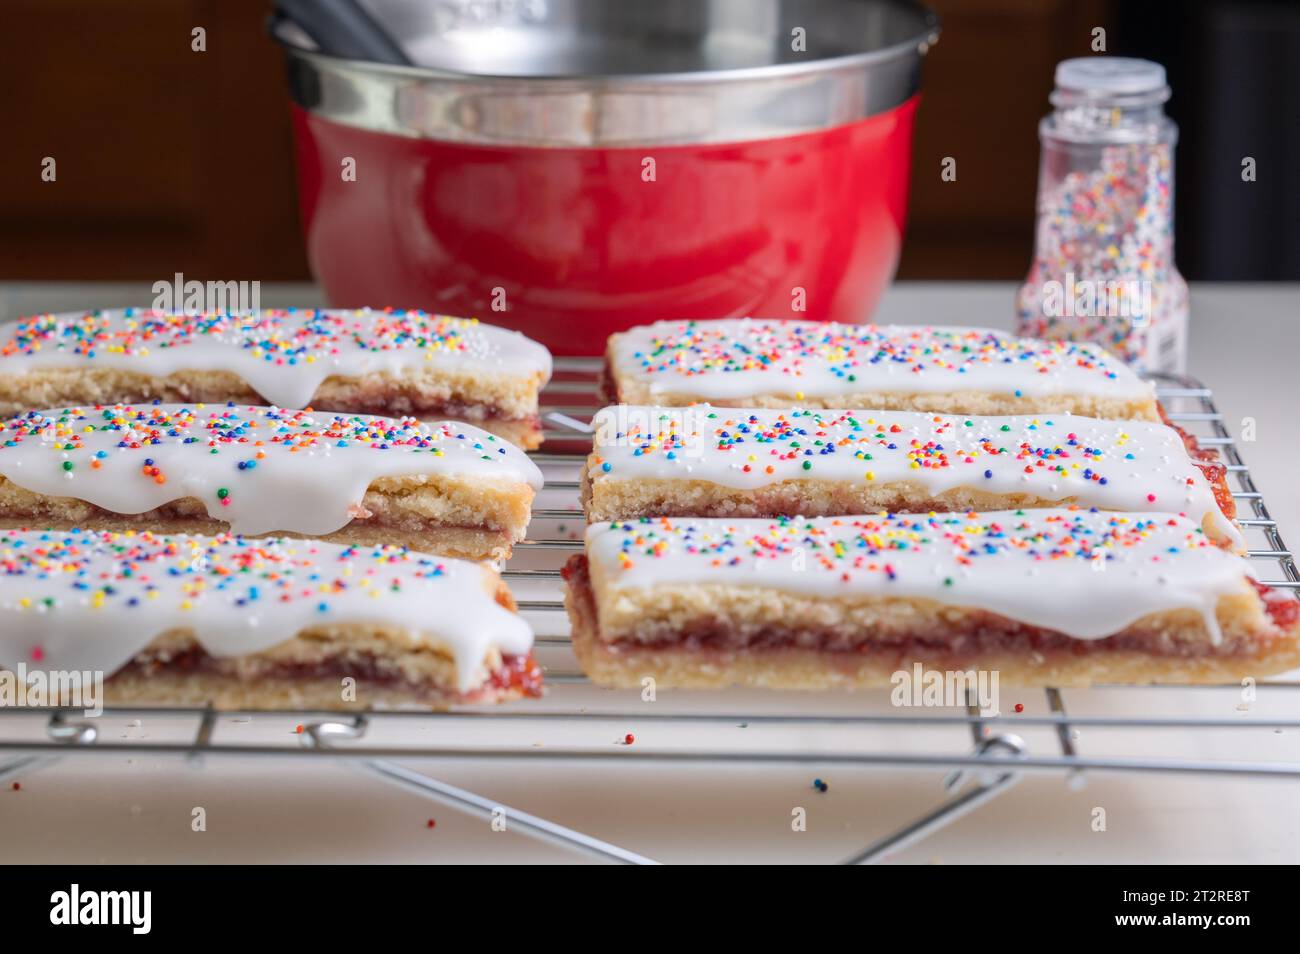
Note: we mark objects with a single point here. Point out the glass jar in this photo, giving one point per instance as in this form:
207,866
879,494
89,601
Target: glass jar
1103,267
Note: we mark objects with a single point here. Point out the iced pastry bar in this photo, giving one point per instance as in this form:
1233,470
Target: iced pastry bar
390,363
446,488
243,623
748,362
1044,597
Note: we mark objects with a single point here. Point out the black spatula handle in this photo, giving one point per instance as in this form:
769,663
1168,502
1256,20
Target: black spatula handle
344,28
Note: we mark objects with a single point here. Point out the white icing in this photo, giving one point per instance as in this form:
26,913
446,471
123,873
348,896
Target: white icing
1085,574
736,358
92,601
283,355
285,471
1114,465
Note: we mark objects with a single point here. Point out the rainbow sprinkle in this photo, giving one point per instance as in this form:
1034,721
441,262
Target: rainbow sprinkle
852,547
279,337
113,571
1111,225
247,433
761,440
794,349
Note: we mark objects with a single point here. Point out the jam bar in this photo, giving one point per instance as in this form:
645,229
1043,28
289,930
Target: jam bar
1044,597
274,624
747,362
446,488
390,363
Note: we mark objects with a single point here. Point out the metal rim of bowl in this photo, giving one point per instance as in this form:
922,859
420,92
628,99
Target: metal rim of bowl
610,110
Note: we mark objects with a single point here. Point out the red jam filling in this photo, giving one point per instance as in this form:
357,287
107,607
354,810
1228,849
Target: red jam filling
519,674
1281,607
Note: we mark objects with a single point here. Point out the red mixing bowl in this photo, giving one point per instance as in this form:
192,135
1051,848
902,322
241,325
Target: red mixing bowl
570,168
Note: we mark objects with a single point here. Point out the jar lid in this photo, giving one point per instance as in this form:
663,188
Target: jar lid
1110,74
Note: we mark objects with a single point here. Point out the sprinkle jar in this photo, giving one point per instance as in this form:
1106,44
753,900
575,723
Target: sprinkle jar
1103,267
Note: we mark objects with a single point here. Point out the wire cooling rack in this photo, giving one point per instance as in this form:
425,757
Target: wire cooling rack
1234,730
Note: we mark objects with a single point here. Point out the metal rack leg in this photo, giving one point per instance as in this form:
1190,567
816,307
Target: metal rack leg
529,824
941,817
320,734
986,789
25,764
59,729
1075,780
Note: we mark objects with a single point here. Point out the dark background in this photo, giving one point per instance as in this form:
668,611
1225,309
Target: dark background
170,160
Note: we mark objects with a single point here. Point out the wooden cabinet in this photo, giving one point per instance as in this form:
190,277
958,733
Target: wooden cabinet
166,159
985,89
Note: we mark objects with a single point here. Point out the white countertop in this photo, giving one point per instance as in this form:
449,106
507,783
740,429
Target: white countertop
1245,344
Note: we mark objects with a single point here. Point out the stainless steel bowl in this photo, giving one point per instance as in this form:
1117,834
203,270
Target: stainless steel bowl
568,73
